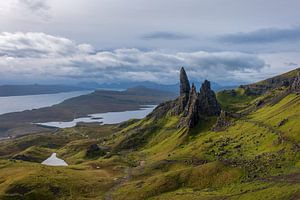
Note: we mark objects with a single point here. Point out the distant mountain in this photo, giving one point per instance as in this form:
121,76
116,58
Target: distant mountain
35,89
124,85
19,90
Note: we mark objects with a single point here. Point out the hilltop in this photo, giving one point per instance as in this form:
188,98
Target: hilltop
236,144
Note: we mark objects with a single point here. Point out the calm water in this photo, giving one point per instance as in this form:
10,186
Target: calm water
104,118
29,102
54,161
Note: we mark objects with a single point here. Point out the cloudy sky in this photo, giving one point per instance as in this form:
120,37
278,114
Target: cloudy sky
227,41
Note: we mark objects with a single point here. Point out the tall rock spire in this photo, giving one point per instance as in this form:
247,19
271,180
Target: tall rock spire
184,91
184,83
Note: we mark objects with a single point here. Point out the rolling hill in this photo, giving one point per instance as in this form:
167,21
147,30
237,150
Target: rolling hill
236,144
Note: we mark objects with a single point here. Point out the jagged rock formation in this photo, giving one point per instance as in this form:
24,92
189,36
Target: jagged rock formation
208,101
192,110
296,84
198,105
191,105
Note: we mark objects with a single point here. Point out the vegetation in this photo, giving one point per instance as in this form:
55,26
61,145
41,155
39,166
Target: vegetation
256,157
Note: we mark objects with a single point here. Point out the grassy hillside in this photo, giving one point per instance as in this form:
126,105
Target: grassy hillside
255,157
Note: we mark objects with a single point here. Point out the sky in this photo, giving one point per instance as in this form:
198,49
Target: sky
69,41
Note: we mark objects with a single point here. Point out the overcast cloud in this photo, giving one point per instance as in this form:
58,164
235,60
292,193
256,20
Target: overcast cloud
42,55
110,40
267,35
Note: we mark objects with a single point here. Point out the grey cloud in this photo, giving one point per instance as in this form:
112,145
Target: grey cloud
164,35
266,35
35,5
52,57
38,7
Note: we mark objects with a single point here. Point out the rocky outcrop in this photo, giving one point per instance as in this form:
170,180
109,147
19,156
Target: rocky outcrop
223,122
191,105
296,84
208,101
200,105
282,81
184,91
191,114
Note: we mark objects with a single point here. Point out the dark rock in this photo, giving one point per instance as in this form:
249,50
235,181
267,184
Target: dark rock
191,105
296,84
200,105
94,151
259,103
192,110
282,122
184,91
208,101
184,83
223,122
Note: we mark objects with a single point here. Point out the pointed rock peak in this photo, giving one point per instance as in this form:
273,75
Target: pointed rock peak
205,86
184,83
208,101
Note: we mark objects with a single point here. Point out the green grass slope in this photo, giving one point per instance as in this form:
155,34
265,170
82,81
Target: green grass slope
256,157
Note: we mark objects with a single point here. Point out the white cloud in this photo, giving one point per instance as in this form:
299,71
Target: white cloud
39,45
44,56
